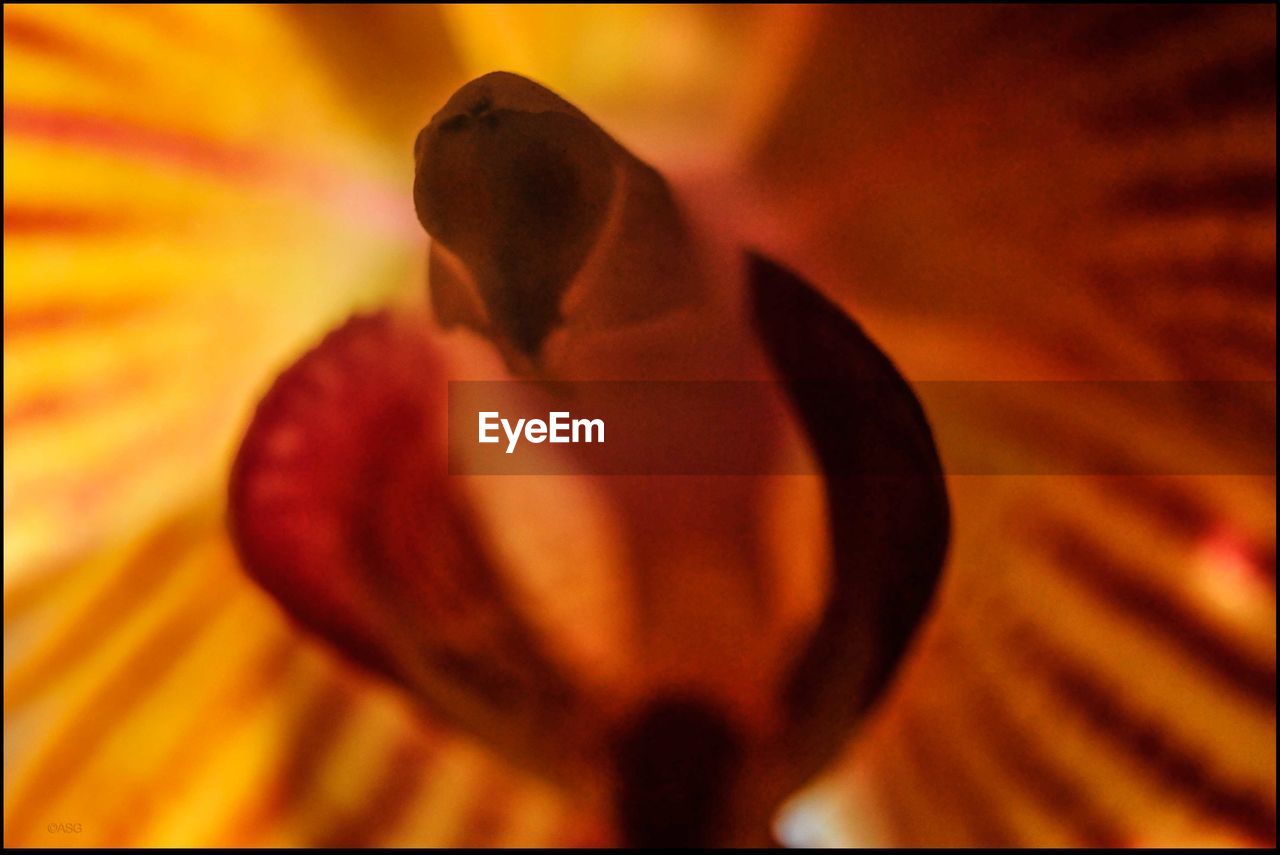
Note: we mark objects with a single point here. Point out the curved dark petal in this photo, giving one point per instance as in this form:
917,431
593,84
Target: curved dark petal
886,500
343,509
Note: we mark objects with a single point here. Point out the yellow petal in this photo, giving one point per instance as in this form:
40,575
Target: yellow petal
170,703
162,257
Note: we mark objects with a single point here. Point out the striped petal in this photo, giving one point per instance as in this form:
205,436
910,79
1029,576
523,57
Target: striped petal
160,259
1101,668
174,705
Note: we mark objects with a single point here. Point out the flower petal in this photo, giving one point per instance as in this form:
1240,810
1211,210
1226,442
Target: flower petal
170,704
344,509
160,259
886,501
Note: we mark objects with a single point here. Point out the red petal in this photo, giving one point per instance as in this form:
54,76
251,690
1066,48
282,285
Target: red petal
343,509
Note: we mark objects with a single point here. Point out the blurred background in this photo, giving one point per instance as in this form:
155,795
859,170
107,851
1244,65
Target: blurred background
193,195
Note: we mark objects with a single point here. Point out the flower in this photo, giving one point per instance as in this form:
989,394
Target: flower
194,195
